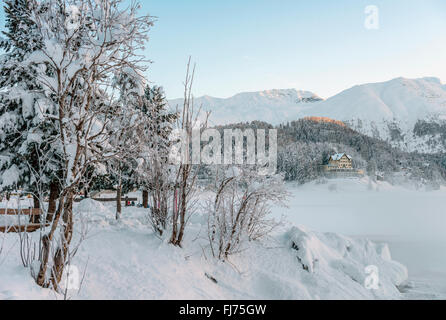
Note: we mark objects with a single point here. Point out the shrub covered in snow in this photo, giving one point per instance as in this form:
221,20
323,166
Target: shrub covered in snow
239,208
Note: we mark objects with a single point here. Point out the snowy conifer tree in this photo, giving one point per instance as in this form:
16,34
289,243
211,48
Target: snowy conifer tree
29,159
82,46
153,171
122,169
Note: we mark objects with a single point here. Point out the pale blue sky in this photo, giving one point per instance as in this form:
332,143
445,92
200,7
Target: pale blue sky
317,45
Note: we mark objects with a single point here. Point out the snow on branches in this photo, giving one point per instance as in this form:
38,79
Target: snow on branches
240,207
66,59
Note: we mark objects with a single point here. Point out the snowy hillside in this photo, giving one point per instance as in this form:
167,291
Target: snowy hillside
388,110
401,99
271,106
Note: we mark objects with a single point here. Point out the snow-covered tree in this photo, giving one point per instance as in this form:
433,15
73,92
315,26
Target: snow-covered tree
240,208
122,168
29,159
185,171
154,171
83,46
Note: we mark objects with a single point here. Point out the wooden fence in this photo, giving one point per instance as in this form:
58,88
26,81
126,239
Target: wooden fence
108,199
32,226
16,212
35,214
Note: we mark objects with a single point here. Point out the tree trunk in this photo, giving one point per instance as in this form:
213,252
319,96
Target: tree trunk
36,201
52,204
46,243
178,234
145,199
182,217
62,253
174,218
118,202
41,276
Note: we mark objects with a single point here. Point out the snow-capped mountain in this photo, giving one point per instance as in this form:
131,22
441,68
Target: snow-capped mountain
401,99
273,106
391,111
409,113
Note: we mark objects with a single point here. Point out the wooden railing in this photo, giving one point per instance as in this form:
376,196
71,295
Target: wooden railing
16,212
35,214
32,226
108,199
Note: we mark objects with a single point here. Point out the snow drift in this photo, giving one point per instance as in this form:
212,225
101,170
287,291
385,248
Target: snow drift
126,260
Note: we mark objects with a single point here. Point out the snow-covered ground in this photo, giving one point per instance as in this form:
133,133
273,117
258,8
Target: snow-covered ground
412,222
125,260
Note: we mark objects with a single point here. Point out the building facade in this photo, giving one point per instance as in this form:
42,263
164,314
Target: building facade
340,161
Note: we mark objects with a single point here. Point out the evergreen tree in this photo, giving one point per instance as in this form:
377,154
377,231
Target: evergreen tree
57,101
160,119
154,172
121,170
28,156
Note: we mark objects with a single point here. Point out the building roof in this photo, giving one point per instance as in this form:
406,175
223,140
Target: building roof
338,156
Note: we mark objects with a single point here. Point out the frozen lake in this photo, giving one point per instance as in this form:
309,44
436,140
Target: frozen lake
412,222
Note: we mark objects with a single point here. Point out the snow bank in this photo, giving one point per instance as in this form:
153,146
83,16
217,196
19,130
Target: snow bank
126,260
94,212
339,259
96,208
16,283
129,262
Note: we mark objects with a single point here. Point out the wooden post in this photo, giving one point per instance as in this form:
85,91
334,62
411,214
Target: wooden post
52,205
35,218
145,199
175,202
118,202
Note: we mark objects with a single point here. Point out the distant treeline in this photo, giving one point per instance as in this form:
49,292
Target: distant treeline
305,145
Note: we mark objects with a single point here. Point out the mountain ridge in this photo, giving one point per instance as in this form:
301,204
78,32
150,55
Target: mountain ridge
387,110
